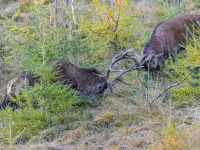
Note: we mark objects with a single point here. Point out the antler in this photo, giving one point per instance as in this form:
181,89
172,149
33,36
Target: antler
152,61
119,76
118,57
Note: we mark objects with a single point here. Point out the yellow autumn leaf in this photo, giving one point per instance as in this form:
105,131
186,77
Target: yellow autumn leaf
41,2
117,3
114,148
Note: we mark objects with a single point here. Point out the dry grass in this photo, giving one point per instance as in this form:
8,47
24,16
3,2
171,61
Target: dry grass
125,121
118,124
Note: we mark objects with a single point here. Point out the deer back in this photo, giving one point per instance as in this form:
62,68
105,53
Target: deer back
89,81
167,37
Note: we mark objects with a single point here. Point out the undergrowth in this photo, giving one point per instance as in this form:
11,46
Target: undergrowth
51,110
186,68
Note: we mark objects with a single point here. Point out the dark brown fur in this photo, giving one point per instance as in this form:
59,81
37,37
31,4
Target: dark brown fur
88,81
168,36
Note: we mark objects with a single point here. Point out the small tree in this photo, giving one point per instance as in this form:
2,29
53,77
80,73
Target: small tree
110,25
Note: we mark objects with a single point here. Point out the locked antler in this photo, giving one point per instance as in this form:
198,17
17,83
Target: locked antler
140,61
118,57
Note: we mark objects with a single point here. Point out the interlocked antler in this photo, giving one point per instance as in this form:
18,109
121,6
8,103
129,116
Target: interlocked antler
152,61
121,56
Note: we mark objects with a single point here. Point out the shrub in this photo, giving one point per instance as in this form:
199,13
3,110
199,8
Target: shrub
34,47
168,9
187,65
110,25
40,107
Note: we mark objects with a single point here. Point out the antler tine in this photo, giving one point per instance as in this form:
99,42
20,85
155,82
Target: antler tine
135,67
149,58
122,55
119,57
146,59
138,65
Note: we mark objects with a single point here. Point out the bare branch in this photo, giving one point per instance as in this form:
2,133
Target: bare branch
73,14
179,2
36,26
166,89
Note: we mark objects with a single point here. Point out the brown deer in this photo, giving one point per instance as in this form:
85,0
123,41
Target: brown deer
166,40
87,81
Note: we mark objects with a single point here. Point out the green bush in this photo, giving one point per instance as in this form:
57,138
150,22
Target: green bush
35,48
40,107
110,27
169,9
187,65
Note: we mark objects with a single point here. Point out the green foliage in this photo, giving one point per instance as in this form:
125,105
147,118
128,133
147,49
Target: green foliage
33,44
21,124
168,9
110,25
34,47
40,107
79,50
187,65
53,98
146,78
3,65
147,84
195,0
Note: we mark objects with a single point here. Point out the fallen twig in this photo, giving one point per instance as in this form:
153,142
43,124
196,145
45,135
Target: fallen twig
166,89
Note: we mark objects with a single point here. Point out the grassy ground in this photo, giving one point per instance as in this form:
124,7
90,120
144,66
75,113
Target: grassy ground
125,121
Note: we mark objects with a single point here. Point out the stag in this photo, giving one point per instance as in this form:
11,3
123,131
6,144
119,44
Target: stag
87,81
166,40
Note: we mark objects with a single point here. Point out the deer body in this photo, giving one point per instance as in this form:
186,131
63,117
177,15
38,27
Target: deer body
88,81
167,38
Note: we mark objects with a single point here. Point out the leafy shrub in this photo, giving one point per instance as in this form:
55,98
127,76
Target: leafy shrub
187,65
168,9
21,125
110,25
40,107
33,47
